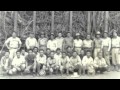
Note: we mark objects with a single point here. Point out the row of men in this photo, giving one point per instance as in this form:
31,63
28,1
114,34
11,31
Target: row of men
39,63
99,44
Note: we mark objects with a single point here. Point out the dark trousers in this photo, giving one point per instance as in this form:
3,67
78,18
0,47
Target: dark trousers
101,69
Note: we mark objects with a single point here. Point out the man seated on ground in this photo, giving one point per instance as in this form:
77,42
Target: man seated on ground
100,63
41,62
5,62
65,63
35,51
24,53
51,63
48,51
75,63
57,57
87,63
18,64
30,62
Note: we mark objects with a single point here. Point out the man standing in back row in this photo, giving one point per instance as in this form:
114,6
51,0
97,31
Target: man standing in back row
13,44
97,44
31,42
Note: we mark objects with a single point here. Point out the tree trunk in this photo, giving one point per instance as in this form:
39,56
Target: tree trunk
15,21
106,20
52,26
71,21
34,22
89,23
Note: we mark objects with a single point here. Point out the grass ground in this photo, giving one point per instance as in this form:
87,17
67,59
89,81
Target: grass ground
106,75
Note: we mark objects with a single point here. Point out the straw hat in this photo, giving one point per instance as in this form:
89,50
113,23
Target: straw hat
98,33
77,34
75,75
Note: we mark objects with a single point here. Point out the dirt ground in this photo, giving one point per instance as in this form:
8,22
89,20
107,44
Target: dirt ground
106,75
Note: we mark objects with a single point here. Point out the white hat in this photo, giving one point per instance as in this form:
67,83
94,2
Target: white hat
98,33
77,34
75,75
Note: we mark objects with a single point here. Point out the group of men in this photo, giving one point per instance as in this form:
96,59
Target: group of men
61,54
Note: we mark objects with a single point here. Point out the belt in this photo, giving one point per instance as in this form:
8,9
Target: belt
78,47
115,47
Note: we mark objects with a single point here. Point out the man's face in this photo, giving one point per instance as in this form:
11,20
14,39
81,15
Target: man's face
78,37
35,50
69,49
63,55
59,34
100,55
114,34
68,34
52,54
105,35
82,52
98,36
32,35
58,51
42,36
41,53
14,35
23,51
88,54
88,37
48,51
74,54
18,54
7,54
30,52
52,37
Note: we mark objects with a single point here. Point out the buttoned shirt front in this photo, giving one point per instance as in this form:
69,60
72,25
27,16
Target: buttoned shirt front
87,43
106,42
87,61
116,42
41,60
52,45
100,62
78,43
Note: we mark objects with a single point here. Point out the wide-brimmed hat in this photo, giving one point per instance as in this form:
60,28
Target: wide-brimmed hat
77,34
75,75
98,33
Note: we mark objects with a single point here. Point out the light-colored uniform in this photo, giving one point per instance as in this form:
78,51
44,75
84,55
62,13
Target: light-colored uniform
87,45
41,60
115,50
18,63
65,63
75,63
14,45
88,64
31,43
58,59
78,45
106,46
98,46
5,63
42,42
60,42
99,63
52,45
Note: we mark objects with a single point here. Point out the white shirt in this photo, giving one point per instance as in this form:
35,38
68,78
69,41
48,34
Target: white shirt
31,42
42,41
87,61
75,61
116,42
65,60
52,45
78,43
18,61
100,62
58,59
13,42
41,60
106,42
87,43
60,42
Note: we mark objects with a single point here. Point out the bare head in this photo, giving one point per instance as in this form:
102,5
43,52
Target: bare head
88,54
59,34
14,35
41,52
31,35
7,54
88,37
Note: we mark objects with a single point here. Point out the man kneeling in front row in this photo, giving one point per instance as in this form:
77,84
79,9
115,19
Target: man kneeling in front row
18,64
100,63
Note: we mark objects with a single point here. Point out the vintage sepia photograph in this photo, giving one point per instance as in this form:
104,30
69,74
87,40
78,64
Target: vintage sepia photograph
59,44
